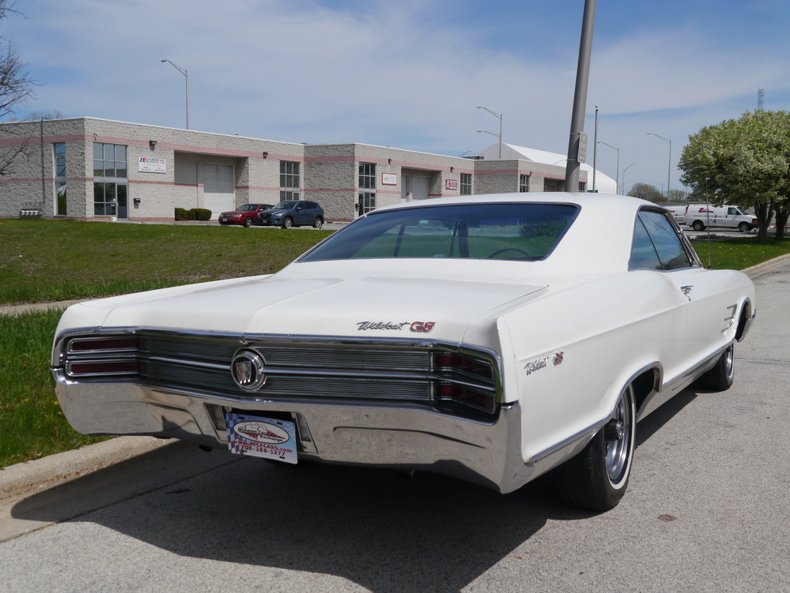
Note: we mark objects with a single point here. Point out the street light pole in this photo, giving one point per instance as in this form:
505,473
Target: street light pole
669,164
617,171
185,73
499,117
624,170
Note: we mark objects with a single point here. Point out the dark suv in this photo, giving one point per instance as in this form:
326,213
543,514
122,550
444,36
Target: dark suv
294,213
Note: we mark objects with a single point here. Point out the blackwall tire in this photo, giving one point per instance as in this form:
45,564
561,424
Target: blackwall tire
287,222
744,227
698,225
597,478
248,222
318,222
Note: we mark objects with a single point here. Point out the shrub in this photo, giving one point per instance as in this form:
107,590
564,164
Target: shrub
200,214
182,214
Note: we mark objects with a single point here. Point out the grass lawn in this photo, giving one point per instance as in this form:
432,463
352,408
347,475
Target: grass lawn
31,423
738,253
48,260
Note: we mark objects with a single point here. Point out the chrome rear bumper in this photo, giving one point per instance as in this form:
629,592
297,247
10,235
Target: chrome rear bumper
376,434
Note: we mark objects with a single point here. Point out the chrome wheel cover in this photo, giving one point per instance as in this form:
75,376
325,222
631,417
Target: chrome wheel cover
729,362
618,438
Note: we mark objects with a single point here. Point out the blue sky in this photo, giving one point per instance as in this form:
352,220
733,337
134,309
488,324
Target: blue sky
409,73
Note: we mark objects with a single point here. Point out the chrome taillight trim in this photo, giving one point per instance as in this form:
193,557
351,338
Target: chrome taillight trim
72,374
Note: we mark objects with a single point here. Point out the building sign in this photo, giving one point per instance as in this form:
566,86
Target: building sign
147,164
450,184
389,179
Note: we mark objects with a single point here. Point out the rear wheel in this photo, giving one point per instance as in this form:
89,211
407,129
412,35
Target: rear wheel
318,222
721,376
248,222
598,476
698,225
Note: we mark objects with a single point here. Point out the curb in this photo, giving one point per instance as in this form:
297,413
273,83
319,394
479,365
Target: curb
28,477
766,267
36,307
38,474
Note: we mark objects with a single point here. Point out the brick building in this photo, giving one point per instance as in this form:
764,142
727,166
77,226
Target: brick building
93,168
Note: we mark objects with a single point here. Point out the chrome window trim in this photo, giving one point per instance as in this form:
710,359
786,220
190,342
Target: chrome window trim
684,241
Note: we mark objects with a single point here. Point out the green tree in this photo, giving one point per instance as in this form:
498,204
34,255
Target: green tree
646,192
678,195
745,162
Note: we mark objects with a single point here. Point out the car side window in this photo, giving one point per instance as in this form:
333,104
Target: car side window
643,253
672,255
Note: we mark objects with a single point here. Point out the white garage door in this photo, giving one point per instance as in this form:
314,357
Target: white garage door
218,188
418,185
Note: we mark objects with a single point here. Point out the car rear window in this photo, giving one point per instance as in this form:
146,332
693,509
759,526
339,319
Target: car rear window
509,231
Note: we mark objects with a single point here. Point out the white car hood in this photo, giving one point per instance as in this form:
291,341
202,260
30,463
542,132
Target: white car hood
363,304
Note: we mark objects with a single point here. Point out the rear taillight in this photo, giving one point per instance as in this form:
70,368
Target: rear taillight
104,344
102,356
465,380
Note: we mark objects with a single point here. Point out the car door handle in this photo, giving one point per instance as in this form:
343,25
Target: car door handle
686,290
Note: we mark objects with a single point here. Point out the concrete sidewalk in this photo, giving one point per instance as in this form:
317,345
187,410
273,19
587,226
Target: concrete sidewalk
31,476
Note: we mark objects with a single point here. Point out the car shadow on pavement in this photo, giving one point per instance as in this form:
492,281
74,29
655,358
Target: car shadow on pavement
650,425
379,529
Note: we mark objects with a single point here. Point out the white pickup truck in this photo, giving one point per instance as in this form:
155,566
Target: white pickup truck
701,216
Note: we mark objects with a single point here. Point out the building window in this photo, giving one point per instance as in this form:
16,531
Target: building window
289,181
59,153
466,184
110,181
523,183
109,160
582,186
367,188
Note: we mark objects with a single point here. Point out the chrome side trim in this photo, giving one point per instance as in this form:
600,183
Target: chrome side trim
670,389
579,440
573,442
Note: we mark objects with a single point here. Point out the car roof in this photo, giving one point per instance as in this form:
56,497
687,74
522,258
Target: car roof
594,200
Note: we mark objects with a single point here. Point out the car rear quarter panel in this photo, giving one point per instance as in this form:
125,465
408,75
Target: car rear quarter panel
573,350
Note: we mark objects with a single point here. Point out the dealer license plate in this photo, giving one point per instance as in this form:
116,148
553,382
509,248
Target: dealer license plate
257,436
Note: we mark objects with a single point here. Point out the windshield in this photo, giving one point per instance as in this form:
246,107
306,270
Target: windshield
247,208
526,232
287,205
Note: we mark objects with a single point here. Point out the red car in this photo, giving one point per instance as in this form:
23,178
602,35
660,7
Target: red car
246,215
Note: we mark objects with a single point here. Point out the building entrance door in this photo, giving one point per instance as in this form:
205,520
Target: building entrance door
122,200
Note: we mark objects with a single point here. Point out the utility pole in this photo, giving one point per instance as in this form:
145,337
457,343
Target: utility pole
580,98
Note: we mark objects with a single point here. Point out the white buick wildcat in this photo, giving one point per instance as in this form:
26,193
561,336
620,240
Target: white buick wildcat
491,338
